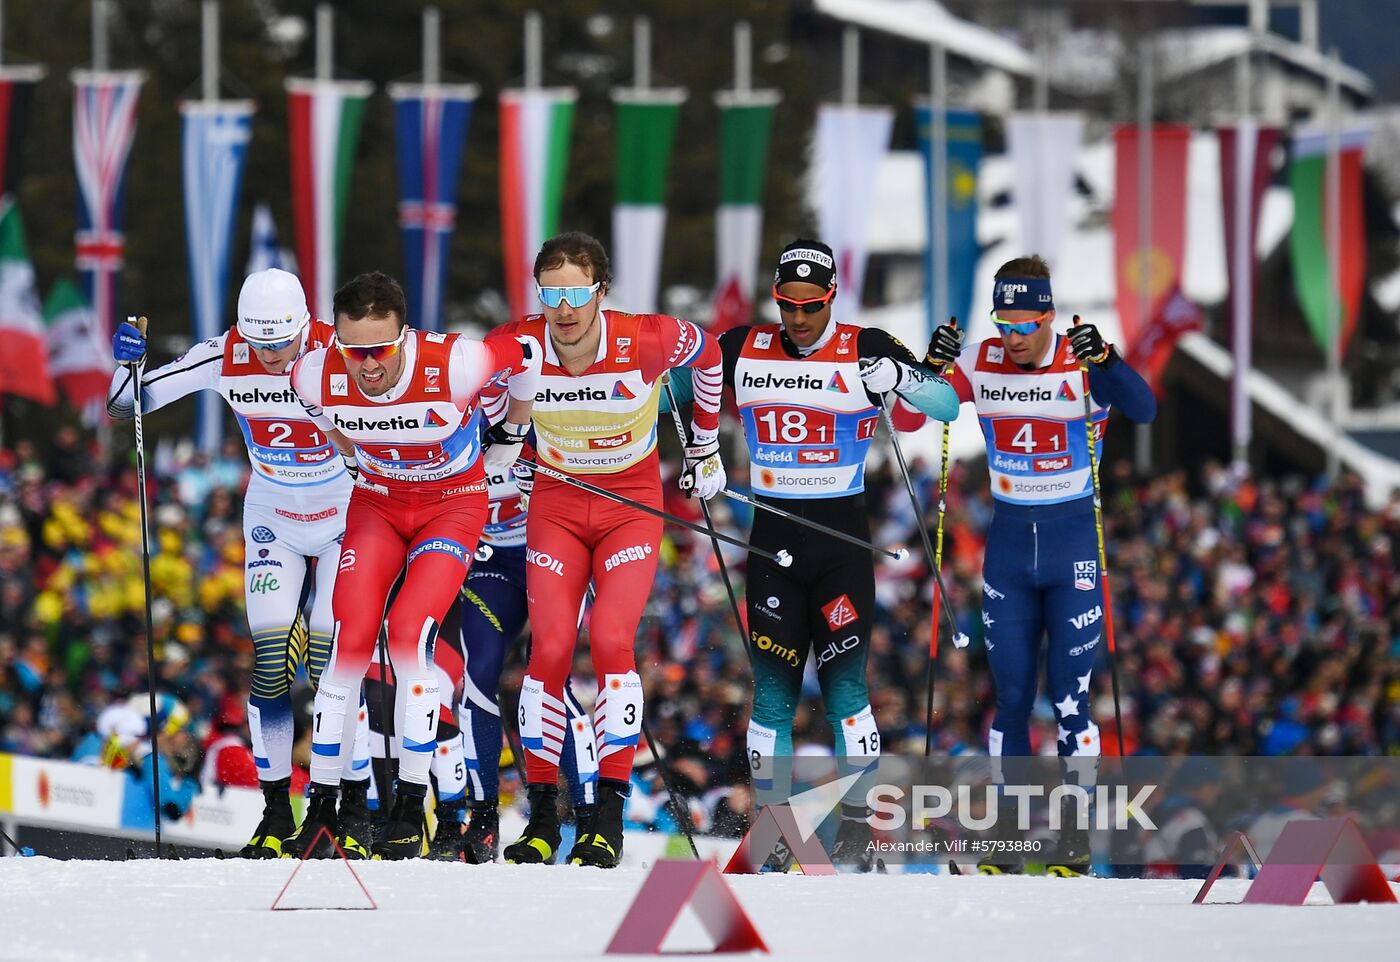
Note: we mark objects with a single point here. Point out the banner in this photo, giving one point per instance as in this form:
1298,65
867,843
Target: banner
430,130
214,145
745,123
104,126
16,97
1145,279
265,251
646,131
24,366
535,129
324,120
1245,172
1153,347
963,142
850,143
1313,273
1043,148
80,358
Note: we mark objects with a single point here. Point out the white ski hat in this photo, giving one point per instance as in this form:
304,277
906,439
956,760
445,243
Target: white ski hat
271,307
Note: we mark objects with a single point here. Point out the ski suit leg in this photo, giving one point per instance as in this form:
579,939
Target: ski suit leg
322,623
840,603
557,573
274,573
493,610
1012,613
370,560
779,638
1074,612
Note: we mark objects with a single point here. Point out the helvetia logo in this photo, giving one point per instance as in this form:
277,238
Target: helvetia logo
1065,394
837,384
433,420
259,396
1007,394
799,382
620,393
365,424
548,396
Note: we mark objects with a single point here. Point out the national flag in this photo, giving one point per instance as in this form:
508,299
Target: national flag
80,357
1146,279
1318,282
16,97
264,250
963,142
646,132
1043,148
324,120
850,144
214,140
745,122
535,129
24,365
1153,348
104,126
430,130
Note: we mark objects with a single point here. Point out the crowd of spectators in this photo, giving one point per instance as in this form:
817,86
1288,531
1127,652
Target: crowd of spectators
1253,616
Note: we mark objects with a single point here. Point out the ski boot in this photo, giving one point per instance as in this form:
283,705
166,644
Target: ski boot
779,861
602,846
1000,859
354,819
278,823
406,833
446,845
853,840
540,843
483,839
1072,854
320,813
584,817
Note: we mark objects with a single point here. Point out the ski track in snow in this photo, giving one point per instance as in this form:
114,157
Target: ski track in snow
207,910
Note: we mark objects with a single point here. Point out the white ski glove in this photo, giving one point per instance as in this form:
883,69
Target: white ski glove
503,443
881,376
704,471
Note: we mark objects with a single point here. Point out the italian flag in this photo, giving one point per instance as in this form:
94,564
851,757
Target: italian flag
746,120
79,357
646,131
535,128
324,120
24,363
1317,280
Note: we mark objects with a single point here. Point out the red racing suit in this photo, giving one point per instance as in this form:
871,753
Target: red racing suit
600,425
419,505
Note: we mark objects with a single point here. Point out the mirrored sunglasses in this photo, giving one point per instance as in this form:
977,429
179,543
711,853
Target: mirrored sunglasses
380,352
274,345
576,296
1023,328
809,306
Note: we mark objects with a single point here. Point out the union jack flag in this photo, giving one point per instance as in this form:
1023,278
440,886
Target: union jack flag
104,126
430,124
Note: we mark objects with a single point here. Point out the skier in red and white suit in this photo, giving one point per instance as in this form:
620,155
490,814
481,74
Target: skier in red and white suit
407,401
595,417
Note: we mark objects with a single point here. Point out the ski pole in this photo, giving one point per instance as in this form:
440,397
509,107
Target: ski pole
141,323
782,558
898,554
1103,553
938,585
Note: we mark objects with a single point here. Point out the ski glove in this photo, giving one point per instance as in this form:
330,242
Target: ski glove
945,346
704,471
352,466
1088,343
128,344
503,443
881,375
524,473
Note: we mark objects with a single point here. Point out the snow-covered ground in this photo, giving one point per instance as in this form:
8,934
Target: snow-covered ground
209,910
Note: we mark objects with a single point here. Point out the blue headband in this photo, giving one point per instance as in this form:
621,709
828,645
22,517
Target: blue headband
1022,294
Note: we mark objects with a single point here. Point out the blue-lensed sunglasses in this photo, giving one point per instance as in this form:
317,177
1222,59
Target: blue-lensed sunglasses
274,345
576,296
1023,328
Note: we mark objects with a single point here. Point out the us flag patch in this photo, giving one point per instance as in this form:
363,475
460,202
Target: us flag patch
1086,575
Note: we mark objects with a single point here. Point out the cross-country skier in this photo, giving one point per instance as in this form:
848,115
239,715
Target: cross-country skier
293,516
407,400
809,392
1041,572
595,417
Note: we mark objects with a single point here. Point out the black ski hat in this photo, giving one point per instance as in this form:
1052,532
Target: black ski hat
809,261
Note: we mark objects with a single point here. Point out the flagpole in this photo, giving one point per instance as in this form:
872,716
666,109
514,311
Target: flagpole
1334,254
938,225
534,50
1142,457
99,35
325,26
850,67
1242,299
